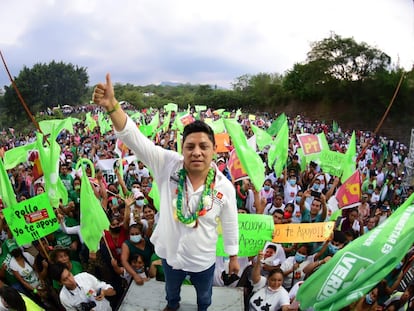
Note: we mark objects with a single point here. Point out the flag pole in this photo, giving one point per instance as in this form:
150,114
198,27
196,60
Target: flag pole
19,95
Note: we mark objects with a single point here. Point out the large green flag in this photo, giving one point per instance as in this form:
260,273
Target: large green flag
349,165
263,139
90,121
49,159
6,189
249,159
171,107
323,141
361,265
93,218
278,152
54,127
217,126
17,155
274,128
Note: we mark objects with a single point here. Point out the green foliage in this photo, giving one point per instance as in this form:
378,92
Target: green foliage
45,86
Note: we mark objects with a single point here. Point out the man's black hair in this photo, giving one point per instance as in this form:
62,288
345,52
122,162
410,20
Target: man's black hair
55,271
199,126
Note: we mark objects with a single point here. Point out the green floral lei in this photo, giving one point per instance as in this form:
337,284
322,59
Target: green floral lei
191,220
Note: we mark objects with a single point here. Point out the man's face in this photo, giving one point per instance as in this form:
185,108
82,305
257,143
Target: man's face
198,151
68,280
315,207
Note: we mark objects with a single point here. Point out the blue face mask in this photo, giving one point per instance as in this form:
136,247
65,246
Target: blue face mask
370,191
315,187
140,202
398,191
368,299
332,248
140,270
292,182
135,238
266,187
298,199
300,258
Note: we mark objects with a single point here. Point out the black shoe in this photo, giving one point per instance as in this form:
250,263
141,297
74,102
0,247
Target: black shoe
167,308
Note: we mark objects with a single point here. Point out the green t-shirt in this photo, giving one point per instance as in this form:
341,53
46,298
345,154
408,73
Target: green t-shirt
5,258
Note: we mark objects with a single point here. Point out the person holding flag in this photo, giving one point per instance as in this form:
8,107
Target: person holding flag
194,196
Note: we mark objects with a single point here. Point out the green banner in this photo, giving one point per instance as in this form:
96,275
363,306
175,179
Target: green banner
31,219
254,231
332,162
361,265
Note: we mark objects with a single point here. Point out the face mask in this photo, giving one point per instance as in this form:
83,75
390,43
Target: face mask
272,290
115,229
368,299
399,265
266,188
140,202
287,215
370,191
139,270
114,201
135,190
315,187
298,199
332,248
398,191
300,258
135,238
77,187
292,182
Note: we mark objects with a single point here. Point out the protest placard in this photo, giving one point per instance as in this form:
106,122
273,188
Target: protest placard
254,231
31,219
303,232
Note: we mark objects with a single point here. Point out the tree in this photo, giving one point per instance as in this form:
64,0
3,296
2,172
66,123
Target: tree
345,59
45,86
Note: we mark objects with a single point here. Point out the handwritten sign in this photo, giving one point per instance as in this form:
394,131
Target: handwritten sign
303,233
331,162
254,231
31,219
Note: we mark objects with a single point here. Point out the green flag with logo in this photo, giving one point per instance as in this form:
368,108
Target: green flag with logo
263,139
357,268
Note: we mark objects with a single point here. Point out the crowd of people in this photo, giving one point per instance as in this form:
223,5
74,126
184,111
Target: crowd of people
58,272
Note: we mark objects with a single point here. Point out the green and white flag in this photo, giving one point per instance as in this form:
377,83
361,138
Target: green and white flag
361,265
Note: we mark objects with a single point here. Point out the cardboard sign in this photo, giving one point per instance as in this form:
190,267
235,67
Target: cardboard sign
254,231
31,219
303,233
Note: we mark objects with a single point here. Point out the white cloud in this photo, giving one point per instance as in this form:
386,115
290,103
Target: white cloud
214,42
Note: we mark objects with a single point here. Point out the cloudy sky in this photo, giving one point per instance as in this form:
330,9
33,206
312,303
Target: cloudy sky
149,41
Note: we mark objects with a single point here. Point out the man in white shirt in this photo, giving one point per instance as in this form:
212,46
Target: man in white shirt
194,194
82,291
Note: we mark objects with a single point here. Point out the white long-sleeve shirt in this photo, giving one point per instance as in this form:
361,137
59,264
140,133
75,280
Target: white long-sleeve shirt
86,290
185,248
